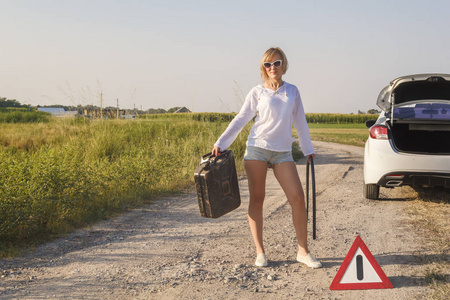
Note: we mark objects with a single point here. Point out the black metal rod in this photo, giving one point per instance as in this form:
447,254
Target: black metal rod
313,177
313,187
307,190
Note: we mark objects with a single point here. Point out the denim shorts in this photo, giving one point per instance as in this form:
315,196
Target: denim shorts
271,157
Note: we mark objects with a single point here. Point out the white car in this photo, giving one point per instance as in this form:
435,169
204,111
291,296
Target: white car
409,143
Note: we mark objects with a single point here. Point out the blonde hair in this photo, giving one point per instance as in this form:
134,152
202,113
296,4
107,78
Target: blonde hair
268,55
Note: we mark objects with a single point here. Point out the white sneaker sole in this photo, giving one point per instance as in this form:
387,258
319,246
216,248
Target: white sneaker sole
261,262
310,263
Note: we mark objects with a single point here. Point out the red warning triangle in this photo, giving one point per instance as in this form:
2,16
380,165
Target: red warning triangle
360,270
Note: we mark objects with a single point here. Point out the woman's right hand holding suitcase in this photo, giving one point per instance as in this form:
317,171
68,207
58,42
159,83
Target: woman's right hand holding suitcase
215,151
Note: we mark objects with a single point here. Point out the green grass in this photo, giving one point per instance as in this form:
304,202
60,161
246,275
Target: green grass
64,174
349,134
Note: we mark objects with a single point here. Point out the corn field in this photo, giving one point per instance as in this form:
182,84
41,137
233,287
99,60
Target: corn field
339,118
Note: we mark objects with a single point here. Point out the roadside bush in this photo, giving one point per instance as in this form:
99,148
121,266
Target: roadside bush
23,116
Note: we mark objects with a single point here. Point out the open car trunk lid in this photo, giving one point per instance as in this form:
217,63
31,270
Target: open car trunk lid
417,110
413,88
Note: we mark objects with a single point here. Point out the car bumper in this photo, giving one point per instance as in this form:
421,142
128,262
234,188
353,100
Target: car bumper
387,167
415,178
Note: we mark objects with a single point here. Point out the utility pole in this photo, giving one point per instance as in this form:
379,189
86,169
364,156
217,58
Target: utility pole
117,108
101,105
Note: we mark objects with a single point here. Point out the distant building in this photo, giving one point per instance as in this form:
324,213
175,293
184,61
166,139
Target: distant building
183,110
128,117
58,111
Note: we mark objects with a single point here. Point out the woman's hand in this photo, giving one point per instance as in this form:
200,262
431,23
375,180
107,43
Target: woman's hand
311,155
215,151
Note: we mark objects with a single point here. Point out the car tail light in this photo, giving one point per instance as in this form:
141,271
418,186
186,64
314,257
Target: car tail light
378,132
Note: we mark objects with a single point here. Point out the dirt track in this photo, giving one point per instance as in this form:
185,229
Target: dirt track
167,251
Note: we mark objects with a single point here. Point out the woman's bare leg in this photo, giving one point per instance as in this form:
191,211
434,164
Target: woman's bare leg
256,174
287,175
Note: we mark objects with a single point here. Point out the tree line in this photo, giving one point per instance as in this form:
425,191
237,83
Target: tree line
4,102
11,103
80,108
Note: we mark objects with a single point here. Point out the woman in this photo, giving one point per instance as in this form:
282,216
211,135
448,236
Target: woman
277,105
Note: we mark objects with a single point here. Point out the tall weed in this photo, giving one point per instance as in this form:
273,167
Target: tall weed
75,173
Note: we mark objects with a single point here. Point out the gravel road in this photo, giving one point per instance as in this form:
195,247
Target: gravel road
168,251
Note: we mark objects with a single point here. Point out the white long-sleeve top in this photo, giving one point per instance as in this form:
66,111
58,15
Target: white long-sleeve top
275,113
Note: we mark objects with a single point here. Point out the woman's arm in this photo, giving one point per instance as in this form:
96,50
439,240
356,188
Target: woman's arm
247,112
302,127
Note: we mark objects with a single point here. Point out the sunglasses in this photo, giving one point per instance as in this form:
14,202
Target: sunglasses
276,64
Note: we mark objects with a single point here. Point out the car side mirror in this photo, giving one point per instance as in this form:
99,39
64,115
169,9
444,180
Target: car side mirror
370,123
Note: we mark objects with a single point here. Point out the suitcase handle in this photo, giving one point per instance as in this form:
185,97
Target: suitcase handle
204,159
221,154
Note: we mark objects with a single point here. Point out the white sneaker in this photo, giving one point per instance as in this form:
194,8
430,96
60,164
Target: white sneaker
261,260
309,260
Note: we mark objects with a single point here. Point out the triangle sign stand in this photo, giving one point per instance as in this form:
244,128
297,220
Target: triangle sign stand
360,270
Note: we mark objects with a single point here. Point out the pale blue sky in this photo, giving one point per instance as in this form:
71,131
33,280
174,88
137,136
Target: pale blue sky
161,54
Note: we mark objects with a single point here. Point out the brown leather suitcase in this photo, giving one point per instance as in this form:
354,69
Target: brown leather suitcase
217,185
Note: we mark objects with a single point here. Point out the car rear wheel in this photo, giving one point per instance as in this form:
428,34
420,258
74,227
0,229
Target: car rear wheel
371,191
